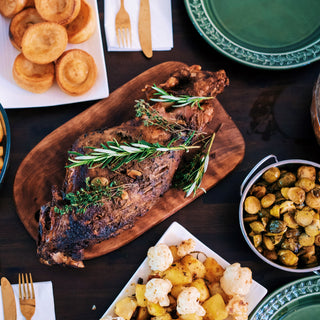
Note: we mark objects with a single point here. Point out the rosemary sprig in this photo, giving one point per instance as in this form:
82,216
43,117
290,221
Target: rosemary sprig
189,179
178,101
152,117
113,155
90,195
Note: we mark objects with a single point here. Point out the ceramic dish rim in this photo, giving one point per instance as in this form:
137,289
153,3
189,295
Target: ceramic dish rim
273,294
266,57
8,143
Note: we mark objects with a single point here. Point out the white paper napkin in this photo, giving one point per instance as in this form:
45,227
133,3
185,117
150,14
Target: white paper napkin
161,24
44,301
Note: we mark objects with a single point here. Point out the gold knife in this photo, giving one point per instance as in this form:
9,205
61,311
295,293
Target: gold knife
144,28
8,300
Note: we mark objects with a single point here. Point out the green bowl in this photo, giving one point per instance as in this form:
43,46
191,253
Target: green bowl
6,141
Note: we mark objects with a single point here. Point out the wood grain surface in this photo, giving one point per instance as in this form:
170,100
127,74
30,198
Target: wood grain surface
44,165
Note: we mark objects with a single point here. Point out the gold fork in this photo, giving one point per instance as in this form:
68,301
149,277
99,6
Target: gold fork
26,297
123,27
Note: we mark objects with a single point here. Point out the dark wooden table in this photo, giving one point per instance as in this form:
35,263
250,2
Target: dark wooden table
271,109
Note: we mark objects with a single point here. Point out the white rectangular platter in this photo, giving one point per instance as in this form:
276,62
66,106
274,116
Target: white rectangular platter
12,96
173,236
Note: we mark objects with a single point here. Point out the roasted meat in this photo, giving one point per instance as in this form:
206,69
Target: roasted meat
63,237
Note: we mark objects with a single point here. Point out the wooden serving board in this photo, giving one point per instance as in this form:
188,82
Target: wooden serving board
44,165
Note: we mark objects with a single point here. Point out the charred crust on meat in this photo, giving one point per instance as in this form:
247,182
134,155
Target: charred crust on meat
64,237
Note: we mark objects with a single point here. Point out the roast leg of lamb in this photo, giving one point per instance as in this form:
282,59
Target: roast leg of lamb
63,237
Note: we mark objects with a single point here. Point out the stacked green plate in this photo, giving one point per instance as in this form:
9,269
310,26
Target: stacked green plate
264,34
298,300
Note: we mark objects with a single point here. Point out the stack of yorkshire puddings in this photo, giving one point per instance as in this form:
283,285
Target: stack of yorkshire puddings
41,30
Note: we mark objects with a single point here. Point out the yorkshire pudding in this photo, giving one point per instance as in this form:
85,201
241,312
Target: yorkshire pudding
33,77
76,72
44,42
59,11
83,26
8,8
20,23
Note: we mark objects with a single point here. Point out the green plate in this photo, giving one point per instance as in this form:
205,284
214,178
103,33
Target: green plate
260,33
298,300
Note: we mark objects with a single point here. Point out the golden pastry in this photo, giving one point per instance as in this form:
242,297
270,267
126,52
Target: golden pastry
83,26
33,77
59,11
8,8
20,23
44,42
76,72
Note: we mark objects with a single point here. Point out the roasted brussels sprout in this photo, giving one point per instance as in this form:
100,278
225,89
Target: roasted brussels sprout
268,200
257,240
288,258
287,180
258,191
270,254
271,175
305,240
287,206
288,218
252,205
297,195
305,184
313,229
308,172
277,226
267,243
291,244
313,198
275,211
304,217
257,227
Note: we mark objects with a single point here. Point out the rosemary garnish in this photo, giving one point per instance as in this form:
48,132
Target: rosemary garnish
190,177
90,195
152,117
113,155
177,101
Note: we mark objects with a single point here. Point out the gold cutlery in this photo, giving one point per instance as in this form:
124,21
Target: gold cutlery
8,300
123,27
144,28
26,296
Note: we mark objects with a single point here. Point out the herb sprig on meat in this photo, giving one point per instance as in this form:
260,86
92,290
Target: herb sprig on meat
113,155
177,101
91,195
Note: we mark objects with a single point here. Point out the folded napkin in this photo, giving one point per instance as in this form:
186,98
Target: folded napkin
44,301
161,24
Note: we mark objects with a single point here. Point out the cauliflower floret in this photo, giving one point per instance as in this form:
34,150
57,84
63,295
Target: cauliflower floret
160,257
185,247
157,291
236,280
188,302
237,307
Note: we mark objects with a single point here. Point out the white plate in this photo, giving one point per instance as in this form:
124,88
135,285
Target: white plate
174,235
12,96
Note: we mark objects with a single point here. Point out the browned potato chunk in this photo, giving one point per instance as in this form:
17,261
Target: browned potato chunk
178,274
214,270
125,308
202,288
194,265
215,308
155,309
140,291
